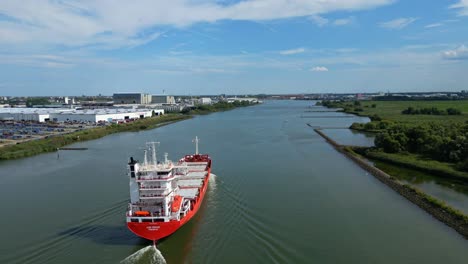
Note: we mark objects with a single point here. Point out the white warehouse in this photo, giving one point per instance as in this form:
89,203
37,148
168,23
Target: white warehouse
28,114
66,115
103,115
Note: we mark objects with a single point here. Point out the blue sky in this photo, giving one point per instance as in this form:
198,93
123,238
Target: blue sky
75,47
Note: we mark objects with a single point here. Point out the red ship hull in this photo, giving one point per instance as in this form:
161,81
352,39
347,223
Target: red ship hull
156,230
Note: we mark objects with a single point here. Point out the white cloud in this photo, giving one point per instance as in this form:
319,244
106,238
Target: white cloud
318,20
37,60
128,23
319,69
398,23
292,51
462,5
343,21
322,21
434,25
460,53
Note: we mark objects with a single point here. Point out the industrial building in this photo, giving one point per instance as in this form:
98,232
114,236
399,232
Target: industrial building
102,115
72,115
173,108
242,99
132,98
28,114
204,101
162,99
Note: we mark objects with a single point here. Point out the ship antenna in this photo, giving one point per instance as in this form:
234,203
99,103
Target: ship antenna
196,140
145,162
165,157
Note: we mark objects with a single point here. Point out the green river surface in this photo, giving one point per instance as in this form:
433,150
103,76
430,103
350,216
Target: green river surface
281,195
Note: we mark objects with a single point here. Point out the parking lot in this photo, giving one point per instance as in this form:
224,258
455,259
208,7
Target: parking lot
12,132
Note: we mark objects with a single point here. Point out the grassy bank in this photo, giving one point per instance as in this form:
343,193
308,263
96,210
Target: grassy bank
51,144
413,161
424,135
392,110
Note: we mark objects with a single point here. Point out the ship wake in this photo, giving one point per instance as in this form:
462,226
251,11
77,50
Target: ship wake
149,254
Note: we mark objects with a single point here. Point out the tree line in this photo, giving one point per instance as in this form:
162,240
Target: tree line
431,111
446,143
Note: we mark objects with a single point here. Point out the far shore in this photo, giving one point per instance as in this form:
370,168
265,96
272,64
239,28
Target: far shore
51,144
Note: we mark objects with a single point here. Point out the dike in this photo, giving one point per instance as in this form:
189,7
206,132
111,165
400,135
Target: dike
439,210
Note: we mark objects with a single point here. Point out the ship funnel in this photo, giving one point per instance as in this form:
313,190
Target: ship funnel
196,140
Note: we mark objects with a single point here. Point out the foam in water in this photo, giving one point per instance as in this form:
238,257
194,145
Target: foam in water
149,254
212,185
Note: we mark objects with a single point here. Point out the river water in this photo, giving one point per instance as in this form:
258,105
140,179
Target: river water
281,195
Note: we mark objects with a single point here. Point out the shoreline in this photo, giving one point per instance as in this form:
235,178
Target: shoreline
438,209
52,144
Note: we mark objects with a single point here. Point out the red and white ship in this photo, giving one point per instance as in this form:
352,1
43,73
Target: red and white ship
165,195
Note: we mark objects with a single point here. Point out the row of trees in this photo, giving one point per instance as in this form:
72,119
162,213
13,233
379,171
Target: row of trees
220,106
430,111
30,102
447,143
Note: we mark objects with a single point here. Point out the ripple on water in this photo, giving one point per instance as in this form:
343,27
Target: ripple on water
48,249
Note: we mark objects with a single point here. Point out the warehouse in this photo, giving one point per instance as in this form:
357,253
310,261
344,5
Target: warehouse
72,115
103,115
162,99
132,98
28,114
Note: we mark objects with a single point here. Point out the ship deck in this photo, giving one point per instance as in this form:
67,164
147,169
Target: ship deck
189,193
185,183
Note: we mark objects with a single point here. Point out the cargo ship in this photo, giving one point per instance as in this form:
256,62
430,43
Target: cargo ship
165,195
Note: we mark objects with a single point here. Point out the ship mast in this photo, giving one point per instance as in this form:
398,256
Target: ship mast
153,149
196,140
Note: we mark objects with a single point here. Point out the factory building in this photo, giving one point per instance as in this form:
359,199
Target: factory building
102,115
132,98
27,114
162,99
242,99
71,115
173,108
204,101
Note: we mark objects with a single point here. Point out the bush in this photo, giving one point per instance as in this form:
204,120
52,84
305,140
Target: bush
463,166
375,117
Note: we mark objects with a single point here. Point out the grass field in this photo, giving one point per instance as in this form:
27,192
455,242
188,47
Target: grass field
391,110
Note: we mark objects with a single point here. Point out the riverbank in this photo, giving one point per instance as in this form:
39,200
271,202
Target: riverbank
392,110
424,135
438,209
217,107
51,144
438,169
